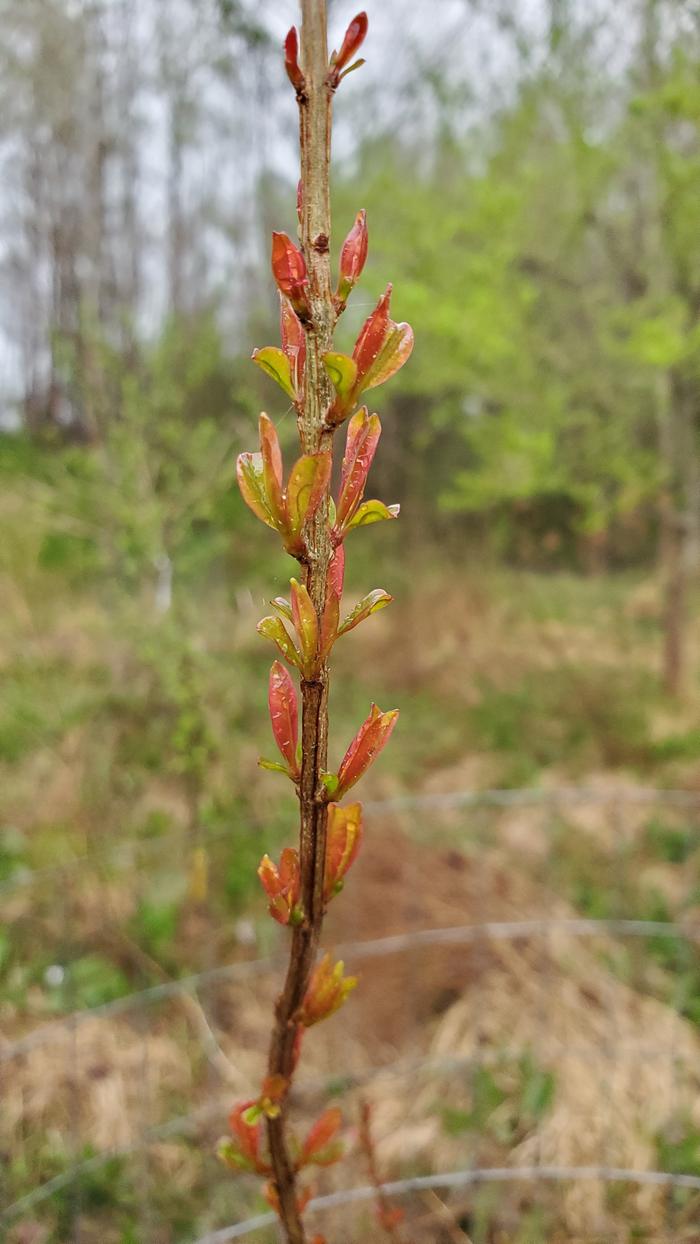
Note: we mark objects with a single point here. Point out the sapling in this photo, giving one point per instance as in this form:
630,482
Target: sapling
326,388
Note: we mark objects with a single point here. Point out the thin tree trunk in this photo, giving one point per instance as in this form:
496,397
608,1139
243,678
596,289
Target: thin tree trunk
315,108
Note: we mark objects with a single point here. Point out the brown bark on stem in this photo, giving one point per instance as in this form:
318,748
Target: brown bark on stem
315,107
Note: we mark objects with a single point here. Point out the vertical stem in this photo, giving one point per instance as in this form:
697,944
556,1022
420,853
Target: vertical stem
315,108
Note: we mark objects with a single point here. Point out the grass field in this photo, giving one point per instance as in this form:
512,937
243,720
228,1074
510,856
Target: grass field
134,815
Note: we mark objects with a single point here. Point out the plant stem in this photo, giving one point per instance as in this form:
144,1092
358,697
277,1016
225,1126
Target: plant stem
315,108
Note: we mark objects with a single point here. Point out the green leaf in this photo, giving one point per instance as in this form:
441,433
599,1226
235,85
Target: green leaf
306,623
342,371
282,605
371,603
249,470
272,628
273,766
275,363
308,481
372,512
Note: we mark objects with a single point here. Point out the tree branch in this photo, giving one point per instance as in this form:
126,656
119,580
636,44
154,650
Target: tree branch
315,108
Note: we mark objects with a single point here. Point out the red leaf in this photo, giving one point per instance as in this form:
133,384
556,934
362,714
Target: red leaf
373,334
329,621
272,463
246,1136
282,886
364,431
289,271
382,346
336,571
371,738
293,344
321,1133
282,701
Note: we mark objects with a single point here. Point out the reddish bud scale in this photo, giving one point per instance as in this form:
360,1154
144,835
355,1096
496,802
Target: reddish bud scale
291,61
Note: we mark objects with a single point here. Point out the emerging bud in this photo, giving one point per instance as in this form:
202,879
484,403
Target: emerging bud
243,1151
370,740
327,991
274,1090
282,886
352,257
289,271
291,61
343,843
354,37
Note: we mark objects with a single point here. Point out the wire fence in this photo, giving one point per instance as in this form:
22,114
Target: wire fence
186,1040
